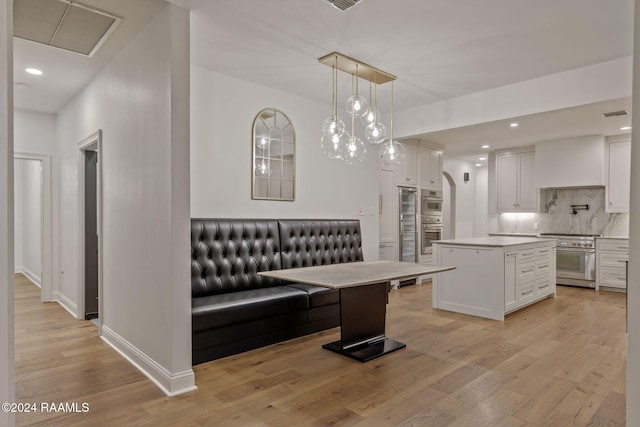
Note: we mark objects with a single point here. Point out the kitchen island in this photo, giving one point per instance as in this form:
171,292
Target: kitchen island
494,275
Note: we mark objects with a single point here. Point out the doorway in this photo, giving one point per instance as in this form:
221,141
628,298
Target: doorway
32,209
89,229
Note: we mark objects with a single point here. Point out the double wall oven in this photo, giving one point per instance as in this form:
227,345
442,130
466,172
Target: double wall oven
575,259
431,215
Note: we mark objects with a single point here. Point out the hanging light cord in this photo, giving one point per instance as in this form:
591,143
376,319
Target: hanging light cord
391,121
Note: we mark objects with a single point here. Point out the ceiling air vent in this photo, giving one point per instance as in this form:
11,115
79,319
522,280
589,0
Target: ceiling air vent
343,4
64,24
616,113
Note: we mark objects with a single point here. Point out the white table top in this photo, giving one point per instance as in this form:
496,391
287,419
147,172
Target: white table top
351,274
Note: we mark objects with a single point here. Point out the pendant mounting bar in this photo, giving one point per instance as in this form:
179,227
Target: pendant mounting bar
363,71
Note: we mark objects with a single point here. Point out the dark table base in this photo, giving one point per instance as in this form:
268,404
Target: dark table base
367,351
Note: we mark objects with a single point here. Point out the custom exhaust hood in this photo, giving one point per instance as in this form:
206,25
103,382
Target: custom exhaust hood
571,163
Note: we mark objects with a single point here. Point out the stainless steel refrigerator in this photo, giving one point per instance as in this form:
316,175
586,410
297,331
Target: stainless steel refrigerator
408,232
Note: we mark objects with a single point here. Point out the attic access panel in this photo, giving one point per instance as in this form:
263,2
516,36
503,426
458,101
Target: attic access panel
64,24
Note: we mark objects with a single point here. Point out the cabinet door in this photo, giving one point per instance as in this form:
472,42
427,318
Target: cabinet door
510,282
619,176
430,169
528,193
507,173
387,251
407,171
387,206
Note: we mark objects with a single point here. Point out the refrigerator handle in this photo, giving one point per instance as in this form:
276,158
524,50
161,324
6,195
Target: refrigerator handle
380,204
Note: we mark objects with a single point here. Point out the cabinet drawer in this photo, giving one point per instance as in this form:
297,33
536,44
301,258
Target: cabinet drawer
543,268
612,259
544,252
614,245
526,291
608,276
526,254
526,271
544,286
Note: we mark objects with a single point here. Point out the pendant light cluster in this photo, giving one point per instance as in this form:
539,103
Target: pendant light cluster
336,141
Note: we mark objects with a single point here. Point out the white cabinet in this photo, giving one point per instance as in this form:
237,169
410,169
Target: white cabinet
619,176
529,275
387,251
492,280
515,181
611,257
407,171
388,207
430,168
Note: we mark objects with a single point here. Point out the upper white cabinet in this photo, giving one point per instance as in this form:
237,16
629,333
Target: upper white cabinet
572,162
407,171
387,206
430,168
515,181
619,176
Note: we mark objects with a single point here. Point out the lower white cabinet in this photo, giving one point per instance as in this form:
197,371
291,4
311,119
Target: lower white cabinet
491,281
387,251
611,257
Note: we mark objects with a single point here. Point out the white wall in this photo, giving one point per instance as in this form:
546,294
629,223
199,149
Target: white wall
481,224
633,332
35,133
140,100
465,195
222,113
7,356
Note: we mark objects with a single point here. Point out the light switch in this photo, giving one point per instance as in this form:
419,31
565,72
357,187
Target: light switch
361,211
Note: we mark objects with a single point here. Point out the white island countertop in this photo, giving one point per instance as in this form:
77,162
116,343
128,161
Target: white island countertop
494,241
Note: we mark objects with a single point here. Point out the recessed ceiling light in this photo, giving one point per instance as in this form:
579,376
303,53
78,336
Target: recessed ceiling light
485,146
625,128
513,125
34,71
478,164
482,158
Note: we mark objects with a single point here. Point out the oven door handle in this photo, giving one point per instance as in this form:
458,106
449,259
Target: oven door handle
558,250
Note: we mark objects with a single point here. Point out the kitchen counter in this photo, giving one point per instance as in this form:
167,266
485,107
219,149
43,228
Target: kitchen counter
494,275
495,241
514,234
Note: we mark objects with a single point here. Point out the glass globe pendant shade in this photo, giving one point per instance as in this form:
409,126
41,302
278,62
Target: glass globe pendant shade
369,117
376,133
355,151
333,125
357,105
333,145
392,153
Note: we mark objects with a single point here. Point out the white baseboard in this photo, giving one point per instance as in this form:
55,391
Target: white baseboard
170,384
66,303
34,278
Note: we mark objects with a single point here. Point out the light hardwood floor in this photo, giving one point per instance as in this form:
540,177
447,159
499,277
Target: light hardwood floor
560,362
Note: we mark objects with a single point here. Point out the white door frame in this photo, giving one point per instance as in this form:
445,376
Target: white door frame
91,143
46,293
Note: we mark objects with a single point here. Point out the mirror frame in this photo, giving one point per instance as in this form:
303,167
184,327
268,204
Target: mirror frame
273,129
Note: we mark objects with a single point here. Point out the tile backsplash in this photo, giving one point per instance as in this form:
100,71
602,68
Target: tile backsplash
558,216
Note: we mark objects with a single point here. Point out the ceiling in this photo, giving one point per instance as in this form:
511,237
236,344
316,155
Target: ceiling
66,73
438,49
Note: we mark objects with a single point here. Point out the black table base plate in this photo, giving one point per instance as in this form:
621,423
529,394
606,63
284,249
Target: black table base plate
367,351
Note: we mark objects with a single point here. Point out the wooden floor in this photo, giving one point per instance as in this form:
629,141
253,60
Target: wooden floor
558,363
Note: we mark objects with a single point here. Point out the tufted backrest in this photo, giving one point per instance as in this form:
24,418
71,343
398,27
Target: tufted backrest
226,255
306,243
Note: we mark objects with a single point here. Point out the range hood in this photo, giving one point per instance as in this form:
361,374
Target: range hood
570,163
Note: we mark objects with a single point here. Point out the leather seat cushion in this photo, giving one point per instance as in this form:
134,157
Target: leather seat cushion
318,296
216,311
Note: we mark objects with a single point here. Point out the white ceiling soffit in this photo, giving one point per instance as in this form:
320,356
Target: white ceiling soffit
64,24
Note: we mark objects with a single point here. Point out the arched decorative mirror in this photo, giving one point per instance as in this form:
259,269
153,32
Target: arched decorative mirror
274,156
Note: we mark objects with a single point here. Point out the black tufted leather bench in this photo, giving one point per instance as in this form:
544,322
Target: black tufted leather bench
234,309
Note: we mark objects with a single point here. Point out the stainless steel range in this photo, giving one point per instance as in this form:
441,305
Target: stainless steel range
575,259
